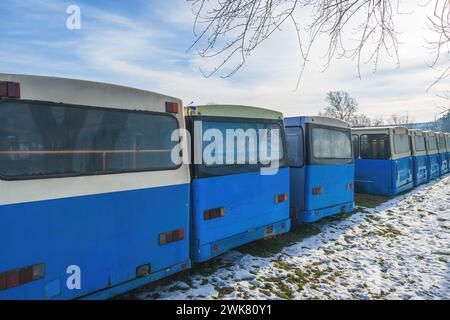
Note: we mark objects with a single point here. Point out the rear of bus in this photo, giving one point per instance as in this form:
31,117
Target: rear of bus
233,203
443,161
447,140
432,155
385,165
419,156
322,167
91,203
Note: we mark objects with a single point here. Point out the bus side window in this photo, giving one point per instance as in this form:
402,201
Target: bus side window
294,139
355,141
375,146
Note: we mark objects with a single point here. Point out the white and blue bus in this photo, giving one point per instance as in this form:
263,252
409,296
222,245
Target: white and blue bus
447,140
322,167
432,155
234,200
443,155
419,156
91,203
384,165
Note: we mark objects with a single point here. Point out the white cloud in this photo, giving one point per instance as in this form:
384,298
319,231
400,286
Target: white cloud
151,55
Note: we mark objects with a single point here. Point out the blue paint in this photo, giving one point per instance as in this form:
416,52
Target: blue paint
384,177
337,197
249,201
108,236
443,163
433,166
420,170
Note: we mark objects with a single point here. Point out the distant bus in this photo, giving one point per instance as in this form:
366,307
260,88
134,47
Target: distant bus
384,165
442,147
233,203
432,155
322,167
419,156
91,204
447,139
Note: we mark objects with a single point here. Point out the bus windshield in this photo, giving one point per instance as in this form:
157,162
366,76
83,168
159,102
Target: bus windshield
328,143
45,140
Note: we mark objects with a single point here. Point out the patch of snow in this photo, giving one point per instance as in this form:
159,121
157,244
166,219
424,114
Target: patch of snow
399,250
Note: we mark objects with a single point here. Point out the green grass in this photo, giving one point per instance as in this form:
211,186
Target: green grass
267,248
369,201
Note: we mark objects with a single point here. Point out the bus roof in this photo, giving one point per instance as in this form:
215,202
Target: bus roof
87,93
416,132
394,129
430,133
234,111
327,121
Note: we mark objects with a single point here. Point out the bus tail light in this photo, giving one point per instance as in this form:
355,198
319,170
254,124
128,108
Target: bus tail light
172,107
9,90
173,236
214,214
18,277
351,186
317,191
281,198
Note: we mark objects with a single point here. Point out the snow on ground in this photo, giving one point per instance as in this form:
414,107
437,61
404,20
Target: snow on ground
398,250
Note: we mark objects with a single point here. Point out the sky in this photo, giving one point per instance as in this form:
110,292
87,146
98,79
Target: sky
144,44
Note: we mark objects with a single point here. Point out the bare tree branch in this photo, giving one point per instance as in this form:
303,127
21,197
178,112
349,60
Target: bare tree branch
362,30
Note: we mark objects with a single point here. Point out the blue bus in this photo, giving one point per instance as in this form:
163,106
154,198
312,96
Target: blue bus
236,197
384,165
443,155
322,167
419,156
91,203
432,155
447,140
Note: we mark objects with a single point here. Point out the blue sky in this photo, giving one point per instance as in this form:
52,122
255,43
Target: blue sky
143,44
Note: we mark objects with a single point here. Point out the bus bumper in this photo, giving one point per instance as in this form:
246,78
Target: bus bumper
319,214
211,250
136,283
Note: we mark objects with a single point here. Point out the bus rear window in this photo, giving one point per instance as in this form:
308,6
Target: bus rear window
375,147
432,143
419,142
442,147
401,143
355,141
47,140
241,143
294,139
331,144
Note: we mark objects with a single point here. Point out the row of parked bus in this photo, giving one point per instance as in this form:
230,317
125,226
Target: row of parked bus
392,160
93,205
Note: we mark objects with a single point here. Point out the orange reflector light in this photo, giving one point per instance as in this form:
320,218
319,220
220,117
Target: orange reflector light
317,191
18,277
281,198
172,107
9,90
173,236
214,214
215,247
